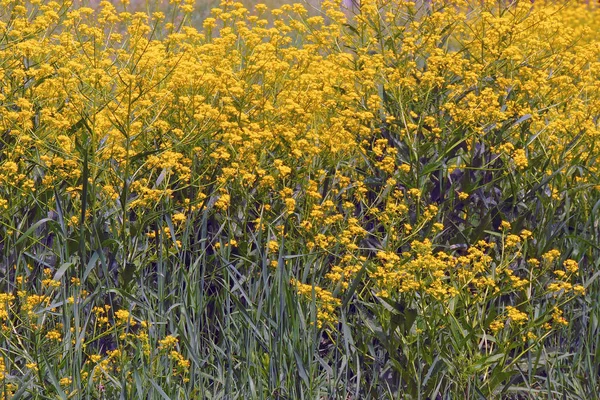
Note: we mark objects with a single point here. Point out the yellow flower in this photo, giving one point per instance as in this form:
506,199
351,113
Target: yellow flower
496,325
50,283
557,317
551,255
512,240
179,217
579,289
416,193
223,202
168,341
437,227
571,266
66,381
273,246
54,335
520,159
525,234
181,361
124,316
290,204
32,366
95,358
516,316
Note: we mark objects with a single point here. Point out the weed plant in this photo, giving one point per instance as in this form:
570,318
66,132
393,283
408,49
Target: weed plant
276,204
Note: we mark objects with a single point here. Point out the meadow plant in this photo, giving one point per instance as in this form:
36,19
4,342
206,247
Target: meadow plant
278,204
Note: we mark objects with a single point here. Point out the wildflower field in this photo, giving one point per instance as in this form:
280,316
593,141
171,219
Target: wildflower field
300,203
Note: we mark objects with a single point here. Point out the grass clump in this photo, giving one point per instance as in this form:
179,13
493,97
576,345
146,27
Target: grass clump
279,204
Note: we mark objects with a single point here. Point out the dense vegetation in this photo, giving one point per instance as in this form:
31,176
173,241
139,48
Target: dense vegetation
277,204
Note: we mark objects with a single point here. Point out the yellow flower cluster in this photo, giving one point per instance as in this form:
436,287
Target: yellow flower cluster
326,303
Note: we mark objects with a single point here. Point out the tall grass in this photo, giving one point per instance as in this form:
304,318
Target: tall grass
280,203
